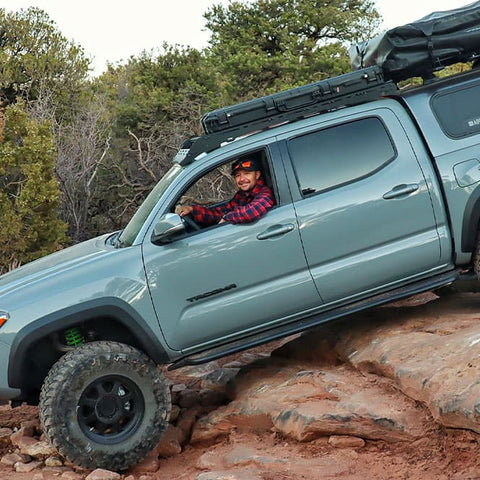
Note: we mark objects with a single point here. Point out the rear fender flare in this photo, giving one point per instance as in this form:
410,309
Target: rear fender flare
471,221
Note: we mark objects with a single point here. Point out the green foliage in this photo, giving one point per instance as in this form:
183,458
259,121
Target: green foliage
445,72
149,87
157,100
35,58
29,195
454,69
268,45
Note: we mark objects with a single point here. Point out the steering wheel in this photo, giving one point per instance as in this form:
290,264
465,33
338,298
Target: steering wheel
190,222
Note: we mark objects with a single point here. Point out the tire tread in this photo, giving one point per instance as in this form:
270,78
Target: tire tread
52,400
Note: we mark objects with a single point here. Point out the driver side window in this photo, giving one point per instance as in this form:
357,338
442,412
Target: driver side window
216,187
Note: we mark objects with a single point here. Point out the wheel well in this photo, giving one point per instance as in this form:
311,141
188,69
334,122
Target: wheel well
471,222
44,352
44,341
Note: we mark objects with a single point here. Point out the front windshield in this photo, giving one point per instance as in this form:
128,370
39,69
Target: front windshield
130,232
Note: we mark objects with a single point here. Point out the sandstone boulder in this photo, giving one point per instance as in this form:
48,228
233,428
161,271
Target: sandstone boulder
304,402
430,351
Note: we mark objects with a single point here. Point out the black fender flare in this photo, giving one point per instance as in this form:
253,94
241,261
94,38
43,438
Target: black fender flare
109,307
471,221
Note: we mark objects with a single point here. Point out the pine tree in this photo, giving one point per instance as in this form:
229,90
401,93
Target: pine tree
29,194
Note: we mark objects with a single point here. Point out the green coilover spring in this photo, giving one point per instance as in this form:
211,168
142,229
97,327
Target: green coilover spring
74,337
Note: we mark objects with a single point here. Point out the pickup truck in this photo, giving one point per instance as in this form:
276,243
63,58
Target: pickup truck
377,198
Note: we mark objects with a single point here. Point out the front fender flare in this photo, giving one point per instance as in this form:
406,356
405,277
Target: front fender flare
63,319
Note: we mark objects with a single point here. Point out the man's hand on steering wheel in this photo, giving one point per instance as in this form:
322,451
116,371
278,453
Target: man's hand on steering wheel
184,211
190,222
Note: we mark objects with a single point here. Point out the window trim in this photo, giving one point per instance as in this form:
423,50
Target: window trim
356,179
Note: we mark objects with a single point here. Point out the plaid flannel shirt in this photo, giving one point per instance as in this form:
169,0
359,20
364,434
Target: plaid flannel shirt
244,207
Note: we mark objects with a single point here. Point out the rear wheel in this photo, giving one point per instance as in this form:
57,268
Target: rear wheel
104,405
476,257
468,283
462,285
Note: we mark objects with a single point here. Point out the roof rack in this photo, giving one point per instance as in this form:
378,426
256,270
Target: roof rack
227,124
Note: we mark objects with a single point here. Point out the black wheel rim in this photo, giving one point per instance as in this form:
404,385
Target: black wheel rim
110,409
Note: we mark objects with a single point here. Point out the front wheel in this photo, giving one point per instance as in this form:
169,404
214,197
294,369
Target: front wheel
104,405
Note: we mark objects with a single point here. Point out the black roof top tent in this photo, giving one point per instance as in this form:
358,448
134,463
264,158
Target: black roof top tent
424,46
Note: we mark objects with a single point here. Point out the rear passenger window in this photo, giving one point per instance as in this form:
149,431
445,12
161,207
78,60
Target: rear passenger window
458,112
339,155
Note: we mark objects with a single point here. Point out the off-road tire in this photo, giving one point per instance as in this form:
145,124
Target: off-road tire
104,405
476,257
469,285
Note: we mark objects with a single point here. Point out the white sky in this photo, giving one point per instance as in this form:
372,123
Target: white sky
114,30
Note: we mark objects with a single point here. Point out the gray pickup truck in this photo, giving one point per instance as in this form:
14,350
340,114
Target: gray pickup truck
377,198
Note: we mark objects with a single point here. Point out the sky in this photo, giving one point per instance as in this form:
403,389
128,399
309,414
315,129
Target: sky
114,30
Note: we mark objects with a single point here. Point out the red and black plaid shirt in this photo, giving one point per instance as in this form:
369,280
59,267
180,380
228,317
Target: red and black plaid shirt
244,207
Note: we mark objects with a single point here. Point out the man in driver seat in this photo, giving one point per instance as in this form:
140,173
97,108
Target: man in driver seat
251,202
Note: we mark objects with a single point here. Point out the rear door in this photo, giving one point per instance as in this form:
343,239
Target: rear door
363,205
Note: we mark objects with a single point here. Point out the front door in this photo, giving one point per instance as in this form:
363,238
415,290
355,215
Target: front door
229,279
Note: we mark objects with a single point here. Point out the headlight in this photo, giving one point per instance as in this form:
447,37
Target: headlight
4,316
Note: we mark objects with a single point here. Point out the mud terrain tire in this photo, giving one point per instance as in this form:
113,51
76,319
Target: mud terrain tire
476,257
104,405
469,285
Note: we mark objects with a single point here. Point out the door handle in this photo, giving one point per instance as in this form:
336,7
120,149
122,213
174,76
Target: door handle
401,190
274,231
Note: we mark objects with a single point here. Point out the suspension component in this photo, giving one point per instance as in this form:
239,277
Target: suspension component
74,337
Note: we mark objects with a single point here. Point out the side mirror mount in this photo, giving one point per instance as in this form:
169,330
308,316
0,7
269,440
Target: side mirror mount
167,228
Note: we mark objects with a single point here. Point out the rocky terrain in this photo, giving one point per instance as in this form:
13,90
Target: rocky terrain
392,393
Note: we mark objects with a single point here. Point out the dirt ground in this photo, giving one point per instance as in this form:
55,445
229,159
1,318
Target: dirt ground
442,455
452,455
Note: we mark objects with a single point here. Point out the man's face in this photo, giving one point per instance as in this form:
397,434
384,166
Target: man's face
246,180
